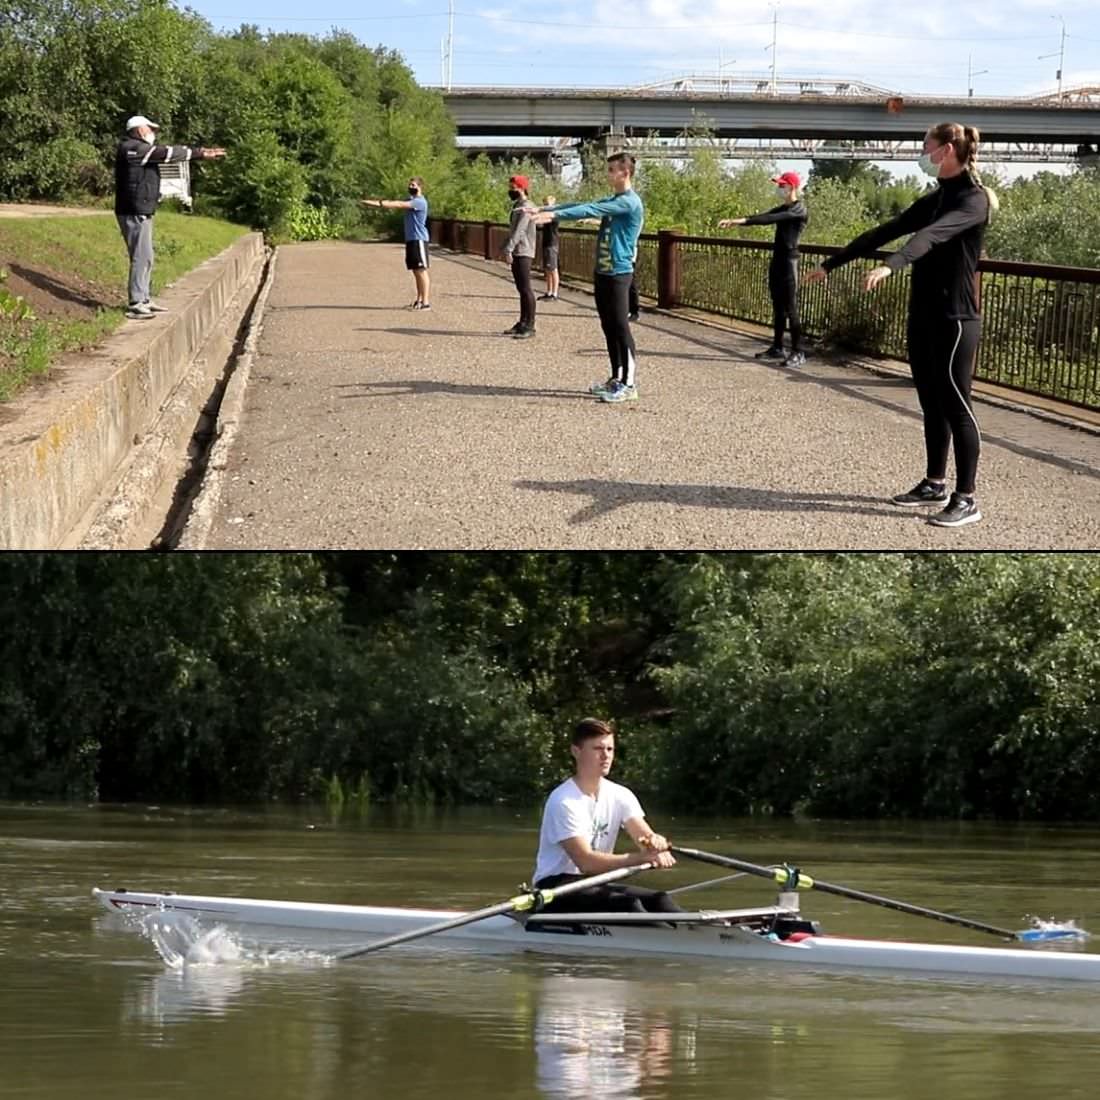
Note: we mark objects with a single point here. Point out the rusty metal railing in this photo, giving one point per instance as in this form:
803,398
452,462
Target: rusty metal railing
1041,323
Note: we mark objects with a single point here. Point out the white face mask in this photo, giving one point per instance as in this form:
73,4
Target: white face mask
928,165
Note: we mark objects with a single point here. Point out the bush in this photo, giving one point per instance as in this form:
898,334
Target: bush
309,223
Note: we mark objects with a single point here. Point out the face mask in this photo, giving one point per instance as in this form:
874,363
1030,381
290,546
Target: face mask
513,195
414,190
783,193
927,165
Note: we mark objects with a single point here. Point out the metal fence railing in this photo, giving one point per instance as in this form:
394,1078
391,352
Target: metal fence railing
1041,323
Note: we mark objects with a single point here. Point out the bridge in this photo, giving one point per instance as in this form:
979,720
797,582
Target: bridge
791,110
552,156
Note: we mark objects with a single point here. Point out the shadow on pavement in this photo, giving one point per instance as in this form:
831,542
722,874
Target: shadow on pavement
607,496
422,386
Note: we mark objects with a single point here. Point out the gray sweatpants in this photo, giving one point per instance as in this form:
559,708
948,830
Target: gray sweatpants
137,232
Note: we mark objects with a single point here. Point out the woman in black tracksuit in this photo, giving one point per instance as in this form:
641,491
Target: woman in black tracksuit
790,220
948,227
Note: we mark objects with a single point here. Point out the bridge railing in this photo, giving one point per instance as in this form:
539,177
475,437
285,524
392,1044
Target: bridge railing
1041,330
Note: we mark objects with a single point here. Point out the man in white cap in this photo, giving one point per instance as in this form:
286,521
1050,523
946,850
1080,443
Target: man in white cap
137,190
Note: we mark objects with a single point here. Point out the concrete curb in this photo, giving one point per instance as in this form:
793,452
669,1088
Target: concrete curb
132,513
196,530
62,444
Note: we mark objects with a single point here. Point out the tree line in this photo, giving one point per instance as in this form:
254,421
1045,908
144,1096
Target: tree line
315,123
858,685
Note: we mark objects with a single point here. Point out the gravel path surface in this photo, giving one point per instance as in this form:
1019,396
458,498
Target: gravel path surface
367,425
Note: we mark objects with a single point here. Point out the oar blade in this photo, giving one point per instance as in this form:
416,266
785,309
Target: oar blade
1060,934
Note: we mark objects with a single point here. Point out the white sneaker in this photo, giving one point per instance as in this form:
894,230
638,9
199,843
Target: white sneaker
140,312
156,308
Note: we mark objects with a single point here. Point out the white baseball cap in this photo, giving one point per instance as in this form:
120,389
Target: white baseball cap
140,120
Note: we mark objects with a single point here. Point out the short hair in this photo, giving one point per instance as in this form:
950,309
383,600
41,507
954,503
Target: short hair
587,728
624,159
418,181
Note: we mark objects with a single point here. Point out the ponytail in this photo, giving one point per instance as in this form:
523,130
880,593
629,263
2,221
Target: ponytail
965,140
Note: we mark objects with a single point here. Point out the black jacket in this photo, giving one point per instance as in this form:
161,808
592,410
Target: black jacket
948,227
137,173
789,221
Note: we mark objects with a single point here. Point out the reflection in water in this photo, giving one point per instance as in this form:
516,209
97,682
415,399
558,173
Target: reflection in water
174,996
587,1043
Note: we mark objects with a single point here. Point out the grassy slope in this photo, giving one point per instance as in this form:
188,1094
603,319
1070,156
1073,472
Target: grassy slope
92,249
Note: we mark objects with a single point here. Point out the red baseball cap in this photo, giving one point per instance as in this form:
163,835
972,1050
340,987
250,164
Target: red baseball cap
522,182
791,179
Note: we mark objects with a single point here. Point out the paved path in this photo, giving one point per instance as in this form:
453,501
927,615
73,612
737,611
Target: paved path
366,425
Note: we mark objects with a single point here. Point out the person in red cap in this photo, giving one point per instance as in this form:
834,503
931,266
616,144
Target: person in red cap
519,251
789,218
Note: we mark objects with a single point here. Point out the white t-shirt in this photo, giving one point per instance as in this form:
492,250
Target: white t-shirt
570,812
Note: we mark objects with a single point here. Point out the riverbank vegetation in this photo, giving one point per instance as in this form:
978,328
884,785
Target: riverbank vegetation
836,684
315,123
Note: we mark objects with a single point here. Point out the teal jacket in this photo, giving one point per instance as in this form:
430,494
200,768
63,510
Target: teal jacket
621,218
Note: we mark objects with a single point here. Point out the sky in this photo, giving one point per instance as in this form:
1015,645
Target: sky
925,47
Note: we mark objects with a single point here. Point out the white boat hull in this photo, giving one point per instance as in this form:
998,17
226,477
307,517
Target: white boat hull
346,925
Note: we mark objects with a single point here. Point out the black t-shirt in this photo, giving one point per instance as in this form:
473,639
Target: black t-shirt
550,235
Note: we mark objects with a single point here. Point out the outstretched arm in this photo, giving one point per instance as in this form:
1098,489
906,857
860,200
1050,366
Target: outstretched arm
170,154
973,211
574,211
388,204
909,221
795,212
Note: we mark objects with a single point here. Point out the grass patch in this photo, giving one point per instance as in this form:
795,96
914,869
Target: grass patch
87,256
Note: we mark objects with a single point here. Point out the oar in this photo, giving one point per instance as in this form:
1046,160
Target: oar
518,904
790,878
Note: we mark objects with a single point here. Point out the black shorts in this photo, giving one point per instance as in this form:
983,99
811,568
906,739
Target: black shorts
550,258
416,255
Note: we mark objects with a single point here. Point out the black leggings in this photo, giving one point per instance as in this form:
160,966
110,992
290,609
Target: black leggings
942,354
613,306
521,273
783,285
611,898
635,305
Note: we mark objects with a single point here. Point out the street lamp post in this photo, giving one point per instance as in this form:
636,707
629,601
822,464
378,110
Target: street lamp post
775,35
1061,55
970,74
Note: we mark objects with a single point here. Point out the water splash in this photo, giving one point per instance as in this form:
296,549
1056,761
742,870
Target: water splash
183,942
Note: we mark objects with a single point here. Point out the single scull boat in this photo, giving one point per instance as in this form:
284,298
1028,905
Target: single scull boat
771,934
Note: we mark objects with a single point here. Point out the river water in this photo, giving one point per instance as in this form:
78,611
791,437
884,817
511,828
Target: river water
89,1009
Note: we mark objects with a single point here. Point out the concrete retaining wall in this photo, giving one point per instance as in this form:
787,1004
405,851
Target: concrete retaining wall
62,443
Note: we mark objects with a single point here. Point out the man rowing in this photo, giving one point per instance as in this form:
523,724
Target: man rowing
580,824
